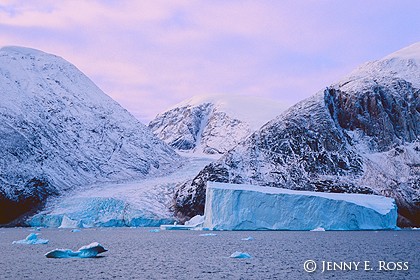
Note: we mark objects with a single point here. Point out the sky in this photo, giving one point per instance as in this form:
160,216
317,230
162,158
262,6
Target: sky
150,55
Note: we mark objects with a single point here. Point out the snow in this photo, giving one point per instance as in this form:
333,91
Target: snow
88,251
240,255
403,64
59,128
135,204
247,207
31,239
252,110
213,124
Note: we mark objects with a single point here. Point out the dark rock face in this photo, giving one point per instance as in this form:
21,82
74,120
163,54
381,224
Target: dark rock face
340,140
386,111
29,197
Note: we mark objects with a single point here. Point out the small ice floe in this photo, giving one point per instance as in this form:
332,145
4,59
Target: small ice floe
240,255
248,238
75,230
318,229
415,228
88,251
176,227
208,234
154,230
31,239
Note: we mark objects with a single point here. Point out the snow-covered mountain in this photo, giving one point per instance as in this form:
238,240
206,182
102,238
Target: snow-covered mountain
361,135
213,124
59,131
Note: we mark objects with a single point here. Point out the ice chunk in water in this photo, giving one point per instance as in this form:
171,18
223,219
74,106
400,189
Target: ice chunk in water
248,238
208,234
88,251
68,223
240,255
31,239
195,221
318,229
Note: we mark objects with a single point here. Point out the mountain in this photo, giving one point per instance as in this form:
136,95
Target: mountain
59,131
361,135
213,124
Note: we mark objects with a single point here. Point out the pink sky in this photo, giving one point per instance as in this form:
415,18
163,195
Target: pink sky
148,55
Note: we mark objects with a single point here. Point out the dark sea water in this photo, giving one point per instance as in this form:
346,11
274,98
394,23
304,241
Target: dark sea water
141,254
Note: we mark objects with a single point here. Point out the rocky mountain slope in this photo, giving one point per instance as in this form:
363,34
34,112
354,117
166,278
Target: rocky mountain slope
213,124
59,131
361,135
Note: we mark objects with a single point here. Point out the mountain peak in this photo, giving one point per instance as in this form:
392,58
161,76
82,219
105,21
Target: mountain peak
22,50
239,107
403,64
411,52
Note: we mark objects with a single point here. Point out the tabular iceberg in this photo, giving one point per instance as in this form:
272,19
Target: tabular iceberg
247,207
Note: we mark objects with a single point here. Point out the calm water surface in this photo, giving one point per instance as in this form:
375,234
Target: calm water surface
141,254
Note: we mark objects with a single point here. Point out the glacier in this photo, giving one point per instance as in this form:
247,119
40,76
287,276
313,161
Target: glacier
60,132
88,251
139,203
248,207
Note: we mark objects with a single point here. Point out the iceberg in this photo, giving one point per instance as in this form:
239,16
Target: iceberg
88,251
66,222
195,221
240,255
247,207
31,239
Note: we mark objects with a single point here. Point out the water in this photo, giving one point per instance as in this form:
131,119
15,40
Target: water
142,254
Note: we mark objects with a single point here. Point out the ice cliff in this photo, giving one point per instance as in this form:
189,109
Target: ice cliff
247,207
361,135
59,131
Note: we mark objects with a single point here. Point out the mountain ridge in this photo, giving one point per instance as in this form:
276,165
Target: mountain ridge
60,131
354,136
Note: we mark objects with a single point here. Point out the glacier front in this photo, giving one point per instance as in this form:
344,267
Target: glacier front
248,207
